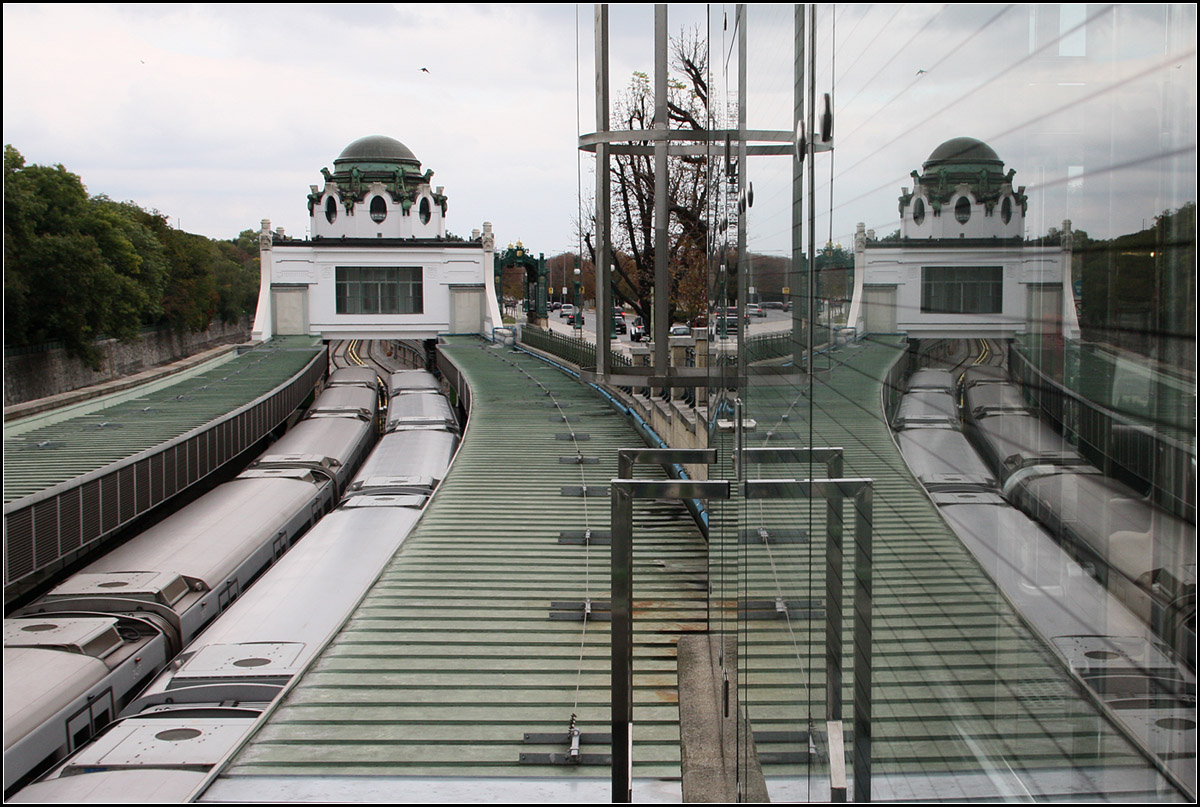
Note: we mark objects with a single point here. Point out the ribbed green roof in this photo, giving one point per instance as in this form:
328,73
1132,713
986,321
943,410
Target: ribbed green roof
455,654
43,457
961,687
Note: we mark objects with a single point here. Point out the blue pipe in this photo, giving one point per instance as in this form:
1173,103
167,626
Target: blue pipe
697,508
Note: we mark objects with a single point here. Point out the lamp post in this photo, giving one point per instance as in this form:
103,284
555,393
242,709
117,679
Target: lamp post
578,301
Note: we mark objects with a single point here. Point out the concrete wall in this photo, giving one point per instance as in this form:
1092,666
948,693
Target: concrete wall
37,375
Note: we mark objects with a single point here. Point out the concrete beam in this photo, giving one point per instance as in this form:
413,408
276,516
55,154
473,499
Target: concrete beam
709,733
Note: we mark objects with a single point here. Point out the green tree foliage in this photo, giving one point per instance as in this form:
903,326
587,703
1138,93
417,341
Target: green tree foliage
77,269
1139,289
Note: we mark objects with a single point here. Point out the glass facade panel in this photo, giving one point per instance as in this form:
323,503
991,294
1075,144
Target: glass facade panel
1004,606
379,290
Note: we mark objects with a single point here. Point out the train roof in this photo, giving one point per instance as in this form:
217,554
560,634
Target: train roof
164,786
930,379
410,454
988,399
985,374
1115,513
39,682
208,539
944,457
351,376
927,408
412,380
277,626
1016,440
420,408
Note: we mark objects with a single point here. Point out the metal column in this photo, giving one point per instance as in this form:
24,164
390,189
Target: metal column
623,492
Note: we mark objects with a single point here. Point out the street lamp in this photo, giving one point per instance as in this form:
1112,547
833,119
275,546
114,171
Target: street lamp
578,302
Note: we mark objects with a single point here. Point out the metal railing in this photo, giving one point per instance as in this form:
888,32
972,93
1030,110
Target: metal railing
576,350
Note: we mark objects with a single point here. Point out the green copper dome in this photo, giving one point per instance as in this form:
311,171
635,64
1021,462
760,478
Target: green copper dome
376,150
963,150
963,161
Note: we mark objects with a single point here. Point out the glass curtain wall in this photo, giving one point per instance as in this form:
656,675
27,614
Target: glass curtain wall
1031,574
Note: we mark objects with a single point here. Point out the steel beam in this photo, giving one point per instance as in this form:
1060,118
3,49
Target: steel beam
624,492
834,491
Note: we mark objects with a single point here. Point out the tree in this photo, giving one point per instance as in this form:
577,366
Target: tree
78,269
688,190
73,271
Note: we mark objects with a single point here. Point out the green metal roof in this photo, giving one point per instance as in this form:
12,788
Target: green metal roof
454,655
457,652
964,695
107,432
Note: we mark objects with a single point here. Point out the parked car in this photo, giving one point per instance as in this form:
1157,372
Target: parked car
680,330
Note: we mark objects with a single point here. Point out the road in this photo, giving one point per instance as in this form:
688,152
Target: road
774,322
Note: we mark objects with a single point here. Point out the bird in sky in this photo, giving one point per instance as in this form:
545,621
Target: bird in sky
426,70
919,72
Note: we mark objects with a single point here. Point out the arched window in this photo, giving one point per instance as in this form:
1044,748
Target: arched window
1006,210
918,211
962,210
330,209
426,212
378,209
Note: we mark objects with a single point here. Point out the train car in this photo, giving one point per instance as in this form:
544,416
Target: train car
931,380
403,381
1109,650
927,408
1145,556
201,707
982,400
985,374
943,459
353,376
1014,440
74,657
421,409
1104,625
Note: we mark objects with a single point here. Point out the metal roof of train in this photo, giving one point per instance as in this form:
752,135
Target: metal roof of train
456,653
70,447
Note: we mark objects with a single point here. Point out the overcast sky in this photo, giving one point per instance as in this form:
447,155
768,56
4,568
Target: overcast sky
220,116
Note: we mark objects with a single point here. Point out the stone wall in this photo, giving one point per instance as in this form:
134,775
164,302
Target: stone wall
31,376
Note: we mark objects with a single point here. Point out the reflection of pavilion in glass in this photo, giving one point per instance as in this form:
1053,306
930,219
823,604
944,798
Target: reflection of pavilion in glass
961,267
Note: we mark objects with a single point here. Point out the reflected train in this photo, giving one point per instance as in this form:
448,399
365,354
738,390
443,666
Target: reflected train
167,740
1143,555
1122,617
74,657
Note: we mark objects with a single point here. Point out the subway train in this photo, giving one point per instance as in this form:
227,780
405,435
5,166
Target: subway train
1145,556
167,739
1112,596
74,657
